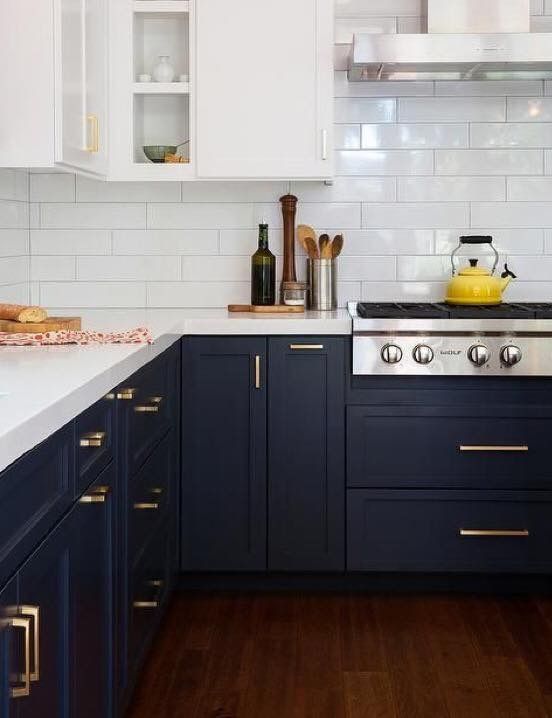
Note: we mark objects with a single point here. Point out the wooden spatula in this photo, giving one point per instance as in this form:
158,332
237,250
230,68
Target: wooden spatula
325,247
337,245
303,232
311,248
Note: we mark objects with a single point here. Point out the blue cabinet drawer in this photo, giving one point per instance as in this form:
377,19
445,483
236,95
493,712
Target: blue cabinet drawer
150,495
35,491
448,447
95,440
150,403
150,584
467,531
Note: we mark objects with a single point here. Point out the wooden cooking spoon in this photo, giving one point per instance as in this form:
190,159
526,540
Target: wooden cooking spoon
325,247
303,232
311,248
337,245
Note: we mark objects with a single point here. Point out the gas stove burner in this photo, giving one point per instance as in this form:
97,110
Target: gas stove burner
424,339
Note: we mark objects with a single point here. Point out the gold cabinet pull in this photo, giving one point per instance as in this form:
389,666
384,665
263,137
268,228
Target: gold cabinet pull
257,372
306,347
126,394
23,691
491,447
94,127
492,532
34,613
146,506
152,408
94,439
150,604
96,496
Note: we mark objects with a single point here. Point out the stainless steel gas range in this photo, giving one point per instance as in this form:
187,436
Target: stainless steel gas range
412,339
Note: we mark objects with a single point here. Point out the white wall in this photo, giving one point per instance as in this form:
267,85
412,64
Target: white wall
14,235
418,164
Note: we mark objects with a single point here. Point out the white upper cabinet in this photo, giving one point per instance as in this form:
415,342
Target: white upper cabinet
81,80
26,83
265,88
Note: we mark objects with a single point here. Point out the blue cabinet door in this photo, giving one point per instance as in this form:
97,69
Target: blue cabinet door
92,526
44,597
224,454
306,465
12,661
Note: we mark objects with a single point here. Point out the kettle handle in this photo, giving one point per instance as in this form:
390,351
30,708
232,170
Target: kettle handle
475,239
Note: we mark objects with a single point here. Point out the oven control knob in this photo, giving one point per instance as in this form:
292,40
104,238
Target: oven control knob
391,354
423,354
510,355
479,355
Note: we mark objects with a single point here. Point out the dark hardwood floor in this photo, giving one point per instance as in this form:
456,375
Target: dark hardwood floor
353,656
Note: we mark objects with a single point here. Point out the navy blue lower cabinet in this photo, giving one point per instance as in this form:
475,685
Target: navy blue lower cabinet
449,531
224,488
306,459
13,629
92,531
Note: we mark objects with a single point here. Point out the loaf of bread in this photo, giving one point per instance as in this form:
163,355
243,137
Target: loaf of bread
22,313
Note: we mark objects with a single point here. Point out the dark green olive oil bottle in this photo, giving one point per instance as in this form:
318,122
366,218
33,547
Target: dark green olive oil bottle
263,272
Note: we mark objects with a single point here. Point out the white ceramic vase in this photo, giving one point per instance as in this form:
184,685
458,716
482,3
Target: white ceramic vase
163,71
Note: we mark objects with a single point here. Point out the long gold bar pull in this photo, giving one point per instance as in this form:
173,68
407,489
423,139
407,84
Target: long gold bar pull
306,347
485,533
23,691
97,496
94,123
492,447
126,394
94,439
257,372
34,613
146,506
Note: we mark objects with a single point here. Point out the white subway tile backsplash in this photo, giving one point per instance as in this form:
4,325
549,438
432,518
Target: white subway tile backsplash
548,241
403,291
197,294
335,215
535,269
541,24
547,6
364,109
520,291
14,242
52,187
15,293
92,216
70,241
128,268
232,191
345,28
452,109
14,270
451,189
91,190
384,162
165,241
488,88
348,189
537,7
344,88
374,242
91,295
244,241
212,216
423,269
511,134
506,241
512,214
52,268
367,268
416,215
414,136
489,162
364,8
14,184
530,189
530,109
347,137
548,162
217,269
13,214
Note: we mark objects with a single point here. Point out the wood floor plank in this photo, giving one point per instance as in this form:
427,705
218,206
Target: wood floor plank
487,626
514,689
361,642
369,695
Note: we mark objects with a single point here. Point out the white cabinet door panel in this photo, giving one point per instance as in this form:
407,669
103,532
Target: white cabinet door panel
264,88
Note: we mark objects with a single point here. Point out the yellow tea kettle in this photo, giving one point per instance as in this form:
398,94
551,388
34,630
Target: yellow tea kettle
474,284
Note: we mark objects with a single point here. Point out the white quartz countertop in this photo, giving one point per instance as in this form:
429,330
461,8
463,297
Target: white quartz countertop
43,388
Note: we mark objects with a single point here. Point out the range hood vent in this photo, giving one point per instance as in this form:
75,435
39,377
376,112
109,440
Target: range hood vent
488,46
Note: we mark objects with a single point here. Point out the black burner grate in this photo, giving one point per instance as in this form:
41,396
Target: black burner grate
413,310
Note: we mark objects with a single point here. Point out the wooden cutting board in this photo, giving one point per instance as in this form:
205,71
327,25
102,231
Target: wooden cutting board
51,324
275,309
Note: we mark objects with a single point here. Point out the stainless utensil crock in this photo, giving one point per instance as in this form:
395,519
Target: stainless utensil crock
322,281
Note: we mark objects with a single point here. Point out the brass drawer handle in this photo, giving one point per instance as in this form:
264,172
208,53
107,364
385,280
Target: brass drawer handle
34,613
484,447
489,533
257,372
97,496
126,394
309,347
94,123
23,691
150,604
94,439
146,506
152,408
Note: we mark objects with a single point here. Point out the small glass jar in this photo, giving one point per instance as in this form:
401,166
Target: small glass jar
294,294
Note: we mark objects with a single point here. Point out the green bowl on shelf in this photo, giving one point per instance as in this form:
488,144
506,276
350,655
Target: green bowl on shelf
156,153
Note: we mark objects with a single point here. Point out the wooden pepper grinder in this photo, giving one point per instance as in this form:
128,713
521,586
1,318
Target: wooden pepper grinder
289,211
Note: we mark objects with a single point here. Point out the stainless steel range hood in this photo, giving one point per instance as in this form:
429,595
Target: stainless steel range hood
484,47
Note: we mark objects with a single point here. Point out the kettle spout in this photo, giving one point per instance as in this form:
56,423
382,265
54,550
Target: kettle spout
506,278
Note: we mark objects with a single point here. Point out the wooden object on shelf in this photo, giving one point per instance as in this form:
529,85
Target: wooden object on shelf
289,211
51,324
275,309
